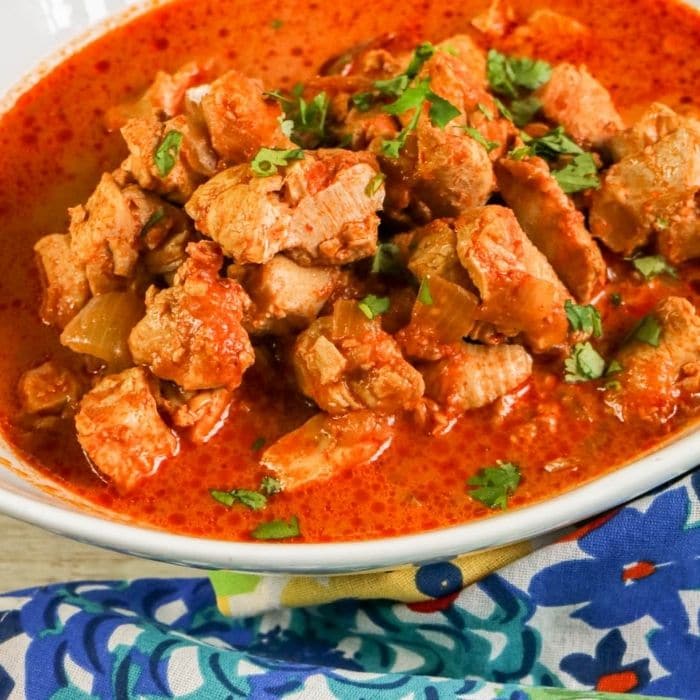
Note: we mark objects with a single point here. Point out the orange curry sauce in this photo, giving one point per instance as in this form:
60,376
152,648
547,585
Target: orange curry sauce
53,147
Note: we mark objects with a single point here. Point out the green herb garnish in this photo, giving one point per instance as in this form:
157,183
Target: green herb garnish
508,74
250,499
387,260
495,484
485,111
308,118
374,184
277,24
613,368
648,331
580,174
156,217
363,101
277,529
584,318
258,444
481,139
167,152
268,160
270,486
424,295
653,265
373,306
616,299
583,364
523,111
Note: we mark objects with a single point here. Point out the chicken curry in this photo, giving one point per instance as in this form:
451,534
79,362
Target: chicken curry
263,279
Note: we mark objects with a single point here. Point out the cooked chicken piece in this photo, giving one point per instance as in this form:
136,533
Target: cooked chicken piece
652,377
475,375
345,362
192,332
286,296
433,252
202,415
114,226
365,130
168,256
553,224
326,445
520,292
65,285
121,431
576,100
49,389
468,53
656,122
171,158
239,118
319,211
646,190
678,239
164,98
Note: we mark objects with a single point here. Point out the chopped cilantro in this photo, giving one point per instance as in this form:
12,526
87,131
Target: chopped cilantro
653,265
167,152
424,295
584,318
268,160
485,111
661,223
363,101
277,24
258,444
422,53
508,74
647,331
393,86
373,306
374,184
250,499
524,110
583,364
308,118
613,385
156,217
495,484
553,144
481,139
520,153
505,112
286,126
441,111
387,260
270,486
412,98
616,299
613,368
277,529
580,174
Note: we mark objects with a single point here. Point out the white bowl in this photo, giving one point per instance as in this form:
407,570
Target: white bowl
31,31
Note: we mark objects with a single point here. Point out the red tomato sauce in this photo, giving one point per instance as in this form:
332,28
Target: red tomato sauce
53,147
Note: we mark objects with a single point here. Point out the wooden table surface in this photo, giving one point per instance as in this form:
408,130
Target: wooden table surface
31,557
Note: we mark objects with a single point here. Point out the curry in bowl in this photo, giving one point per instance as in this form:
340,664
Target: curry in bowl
444,274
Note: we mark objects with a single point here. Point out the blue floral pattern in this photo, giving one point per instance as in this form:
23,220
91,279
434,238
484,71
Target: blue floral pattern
615,608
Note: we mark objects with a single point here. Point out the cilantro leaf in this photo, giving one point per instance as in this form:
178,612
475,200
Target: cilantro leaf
648,331
580,174
167,152
373,306
442,112
374,184
553,144
481,139
421,54
412,98
613,368
268,160
583,364
155,218
505,112
584,318
523,111
250,499
277,24
424,295
387,260
308,118
270,486
485,111
393,86
616,299
495,484
654,265
506,74
258,444
363,101
277,529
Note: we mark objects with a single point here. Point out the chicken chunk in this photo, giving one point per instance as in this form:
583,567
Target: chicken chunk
201,415
192,332
171,158
121,431
320,211
326,445
164,98
651,379
553,224
346,362
49,389
239,118
65,286
576,100
475,375
520,292
286,296
114,227
646,191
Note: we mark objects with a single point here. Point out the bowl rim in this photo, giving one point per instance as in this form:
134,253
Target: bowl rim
520,524
582,502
